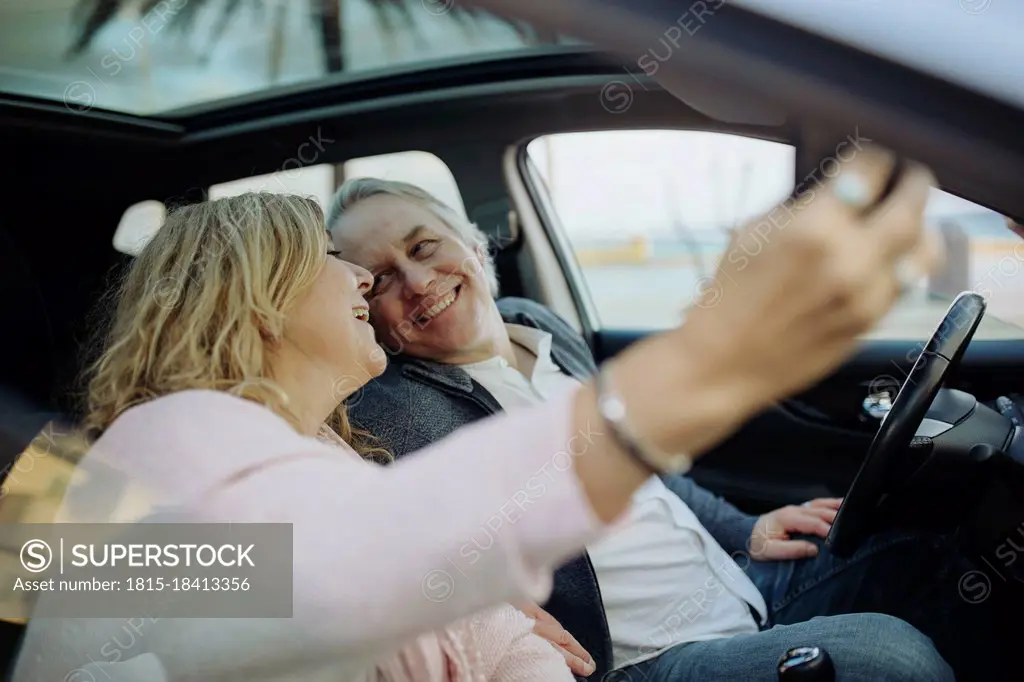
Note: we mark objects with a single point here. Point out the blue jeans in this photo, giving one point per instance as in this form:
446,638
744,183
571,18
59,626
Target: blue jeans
864,647
914,577
885,613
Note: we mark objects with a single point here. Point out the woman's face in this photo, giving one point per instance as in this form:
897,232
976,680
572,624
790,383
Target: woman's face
330,326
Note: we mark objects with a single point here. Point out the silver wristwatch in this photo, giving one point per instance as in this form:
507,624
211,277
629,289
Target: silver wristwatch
612,408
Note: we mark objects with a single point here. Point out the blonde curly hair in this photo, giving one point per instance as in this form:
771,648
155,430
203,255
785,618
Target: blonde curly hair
200,305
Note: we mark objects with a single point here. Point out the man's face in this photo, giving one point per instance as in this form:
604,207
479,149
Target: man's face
430,297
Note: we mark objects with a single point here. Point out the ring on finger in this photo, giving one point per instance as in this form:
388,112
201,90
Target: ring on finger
852,189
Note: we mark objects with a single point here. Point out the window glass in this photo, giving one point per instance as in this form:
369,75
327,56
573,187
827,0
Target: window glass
649,213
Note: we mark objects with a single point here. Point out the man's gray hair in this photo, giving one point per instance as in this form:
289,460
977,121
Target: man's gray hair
355,190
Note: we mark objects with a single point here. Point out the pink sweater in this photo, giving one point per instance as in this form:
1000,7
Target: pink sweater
497,645
368,543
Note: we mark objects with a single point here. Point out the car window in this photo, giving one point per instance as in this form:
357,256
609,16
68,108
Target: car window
648,214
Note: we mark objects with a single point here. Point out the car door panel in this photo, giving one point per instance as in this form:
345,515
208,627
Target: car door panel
812,444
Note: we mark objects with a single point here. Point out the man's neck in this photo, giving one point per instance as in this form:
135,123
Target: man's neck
500,345
497,344
525,359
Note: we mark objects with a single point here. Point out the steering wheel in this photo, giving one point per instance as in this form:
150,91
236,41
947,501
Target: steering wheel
890,448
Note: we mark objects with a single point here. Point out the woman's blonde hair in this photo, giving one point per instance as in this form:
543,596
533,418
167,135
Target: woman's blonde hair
202,303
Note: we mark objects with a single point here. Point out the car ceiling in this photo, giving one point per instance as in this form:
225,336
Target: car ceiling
975,43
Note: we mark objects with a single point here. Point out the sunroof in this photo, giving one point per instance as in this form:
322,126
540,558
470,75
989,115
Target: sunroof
148,57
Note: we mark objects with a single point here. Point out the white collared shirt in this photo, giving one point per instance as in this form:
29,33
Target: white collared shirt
539,380
664,580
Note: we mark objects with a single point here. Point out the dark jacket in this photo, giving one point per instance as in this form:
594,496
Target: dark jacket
417,402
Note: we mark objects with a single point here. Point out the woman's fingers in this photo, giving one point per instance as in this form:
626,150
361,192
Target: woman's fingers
881,251
800,284
860,182
857,312
897,223
929,255
907,249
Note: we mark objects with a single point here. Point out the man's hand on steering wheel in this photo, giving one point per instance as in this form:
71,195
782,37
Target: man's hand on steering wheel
770,539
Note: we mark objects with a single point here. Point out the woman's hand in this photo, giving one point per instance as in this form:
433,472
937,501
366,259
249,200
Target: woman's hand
791,295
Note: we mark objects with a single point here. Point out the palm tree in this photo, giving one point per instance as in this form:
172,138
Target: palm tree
91,16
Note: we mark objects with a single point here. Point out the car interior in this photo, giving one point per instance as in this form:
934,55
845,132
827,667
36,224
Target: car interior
921,427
